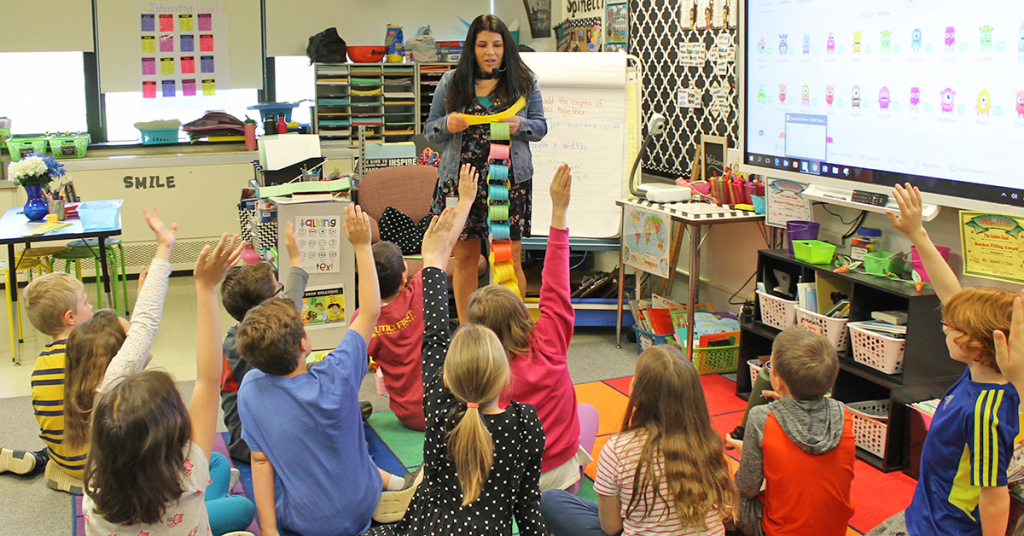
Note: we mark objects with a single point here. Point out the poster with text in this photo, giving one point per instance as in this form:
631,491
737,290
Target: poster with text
646,237
183,55
992,245
785,202
320,241
324,306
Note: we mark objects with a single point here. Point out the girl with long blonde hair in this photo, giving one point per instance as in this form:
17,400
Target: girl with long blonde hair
665,472
481,462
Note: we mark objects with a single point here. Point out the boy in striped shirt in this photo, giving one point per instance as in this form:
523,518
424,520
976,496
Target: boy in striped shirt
55,304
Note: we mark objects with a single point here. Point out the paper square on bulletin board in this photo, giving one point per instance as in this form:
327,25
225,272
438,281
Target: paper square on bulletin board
320,241
785,201
324,306
646,237
992,245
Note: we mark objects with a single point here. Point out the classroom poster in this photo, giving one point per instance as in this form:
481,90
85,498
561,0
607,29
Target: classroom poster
785,202
992,245
182,47
646,237
617,23
324,306
320,242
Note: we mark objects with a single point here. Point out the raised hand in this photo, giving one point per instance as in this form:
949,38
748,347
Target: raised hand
561,188
469,178
164,237
1010,353
456,123
909,221
291,243
357,226
212,266
437,238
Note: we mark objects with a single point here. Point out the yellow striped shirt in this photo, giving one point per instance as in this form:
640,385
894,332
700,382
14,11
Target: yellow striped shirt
48,404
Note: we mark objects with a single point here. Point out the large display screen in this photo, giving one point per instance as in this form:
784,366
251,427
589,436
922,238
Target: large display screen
930,91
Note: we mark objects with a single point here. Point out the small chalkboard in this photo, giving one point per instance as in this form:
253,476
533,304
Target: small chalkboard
713,151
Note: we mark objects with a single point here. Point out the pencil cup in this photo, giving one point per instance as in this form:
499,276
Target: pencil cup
56,207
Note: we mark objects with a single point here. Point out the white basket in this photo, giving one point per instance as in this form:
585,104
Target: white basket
755,367
876,350
833,328
870,425
776,312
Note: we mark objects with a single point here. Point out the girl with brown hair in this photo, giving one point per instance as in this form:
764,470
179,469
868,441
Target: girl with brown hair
481,462
665,472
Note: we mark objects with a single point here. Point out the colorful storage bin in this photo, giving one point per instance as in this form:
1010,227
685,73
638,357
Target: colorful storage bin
22,144
70,145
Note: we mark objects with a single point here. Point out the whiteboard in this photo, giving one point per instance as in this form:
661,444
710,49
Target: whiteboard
585,106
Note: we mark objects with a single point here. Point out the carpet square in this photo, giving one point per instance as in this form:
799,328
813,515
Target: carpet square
610,404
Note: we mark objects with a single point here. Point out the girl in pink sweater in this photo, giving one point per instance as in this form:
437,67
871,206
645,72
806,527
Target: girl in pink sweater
537,350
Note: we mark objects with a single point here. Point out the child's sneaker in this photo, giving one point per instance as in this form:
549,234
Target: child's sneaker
366,408
61,481
235,476
19,462
393,504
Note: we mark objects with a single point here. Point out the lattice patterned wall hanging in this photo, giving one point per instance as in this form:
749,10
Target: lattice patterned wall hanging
656,37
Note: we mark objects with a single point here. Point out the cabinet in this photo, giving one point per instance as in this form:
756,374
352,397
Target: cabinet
400,122
429,76
332,117
927,369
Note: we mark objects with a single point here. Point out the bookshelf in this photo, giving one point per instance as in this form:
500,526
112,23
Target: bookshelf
400,99
429,76
927,369
332,116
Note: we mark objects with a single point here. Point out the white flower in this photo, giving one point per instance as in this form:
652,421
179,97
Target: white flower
25,168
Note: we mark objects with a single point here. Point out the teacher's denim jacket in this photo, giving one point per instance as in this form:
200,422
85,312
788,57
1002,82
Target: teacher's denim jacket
532,127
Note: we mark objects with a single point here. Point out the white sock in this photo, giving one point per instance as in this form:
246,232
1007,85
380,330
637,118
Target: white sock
395,482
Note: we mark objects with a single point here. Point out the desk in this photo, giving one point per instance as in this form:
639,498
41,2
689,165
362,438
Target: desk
694,222
13,228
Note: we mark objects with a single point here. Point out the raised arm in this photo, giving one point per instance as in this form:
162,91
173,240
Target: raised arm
909,223
435,307
469,179
134,352
210,269
557,318
295,284
357,229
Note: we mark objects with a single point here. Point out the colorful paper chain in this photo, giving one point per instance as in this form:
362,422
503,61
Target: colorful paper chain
502,268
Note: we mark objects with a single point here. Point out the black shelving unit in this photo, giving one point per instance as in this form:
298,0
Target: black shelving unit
927,369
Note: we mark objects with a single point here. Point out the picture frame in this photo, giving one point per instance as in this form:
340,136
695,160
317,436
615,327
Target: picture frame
617,20
713,150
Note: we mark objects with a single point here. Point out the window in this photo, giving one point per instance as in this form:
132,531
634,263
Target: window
293,77
43,91
124,109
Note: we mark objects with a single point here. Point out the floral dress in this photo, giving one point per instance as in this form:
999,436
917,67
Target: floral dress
476,148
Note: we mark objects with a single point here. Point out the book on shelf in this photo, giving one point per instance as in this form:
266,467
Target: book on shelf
807,296
897,318
678,312
659,302
883,328
725,338
661,321
841,309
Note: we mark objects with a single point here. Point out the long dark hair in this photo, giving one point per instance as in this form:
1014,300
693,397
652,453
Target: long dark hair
667,405
139,431
516,79
91,347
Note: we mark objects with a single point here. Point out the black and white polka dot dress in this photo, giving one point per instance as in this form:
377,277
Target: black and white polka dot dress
512,489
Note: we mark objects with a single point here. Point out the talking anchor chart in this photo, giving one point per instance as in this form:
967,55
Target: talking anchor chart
320,242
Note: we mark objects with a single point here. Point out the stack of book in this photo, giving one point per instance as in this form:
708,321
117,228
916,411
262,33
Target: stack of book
665,317
888,323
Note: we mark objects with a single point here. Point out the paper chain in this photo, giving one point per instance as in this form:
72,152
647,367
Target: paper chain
502,268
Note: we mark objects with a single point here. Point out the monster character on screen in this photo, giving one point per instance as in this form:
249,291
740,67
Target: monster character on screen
950,38
947,100
883,98
782,93
830,95
805,95
760,93
1020,105
830,44
915,40
1020,47
855,99
807,44
986,39
783,47
856,42
886,41
984,102
915,99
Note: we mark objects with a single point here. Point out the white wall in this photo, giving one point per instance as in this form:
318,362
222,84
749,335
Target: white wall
510,10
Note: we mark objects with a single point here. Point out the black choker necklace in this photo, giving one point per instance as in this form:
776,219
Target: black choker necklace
488,76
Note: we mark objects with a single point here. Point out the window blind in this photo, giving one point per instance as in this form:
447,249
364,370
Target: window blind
64,26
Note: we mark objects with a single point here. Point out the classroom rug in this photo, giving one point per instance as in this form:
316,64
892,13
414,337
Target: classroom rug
872,504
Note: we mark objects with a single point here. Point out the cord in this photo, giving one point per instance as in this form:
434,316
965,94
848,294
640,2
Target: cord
743,286
825,207
581,261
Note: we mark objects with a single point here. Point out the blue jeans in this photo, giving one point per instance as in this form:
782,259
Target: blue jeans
568,515
227,514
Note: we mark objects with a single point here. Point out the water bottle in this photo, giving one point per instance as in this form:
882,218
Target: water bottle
250,134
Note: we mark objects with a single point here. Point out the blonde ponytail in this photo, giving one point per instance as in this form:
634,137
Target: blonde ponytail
475,370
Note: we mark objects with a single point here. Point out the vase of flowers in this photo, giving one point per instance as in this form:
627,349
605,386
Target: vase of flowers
35,172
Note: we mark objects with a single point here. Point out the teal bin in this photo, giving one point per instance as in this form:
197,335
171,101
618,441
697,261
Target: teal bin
100,215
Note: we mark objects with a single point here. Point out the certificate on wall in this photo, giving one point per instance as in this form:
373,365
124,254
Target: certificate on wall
320,241
992,245
785,201
646,237
324,306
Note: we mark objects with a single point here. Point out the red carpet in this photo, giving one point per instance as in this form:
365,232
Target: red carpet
876,495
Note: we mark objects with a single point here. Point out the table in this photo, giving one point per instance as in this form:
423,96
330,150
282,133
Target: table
13,228
694,217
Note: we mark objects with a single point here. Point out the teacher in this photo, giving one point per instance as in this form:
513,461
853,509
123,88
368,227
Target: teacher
489,78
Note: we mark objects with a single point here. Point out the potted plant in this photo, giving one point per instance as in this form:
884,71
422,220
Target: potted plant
35,172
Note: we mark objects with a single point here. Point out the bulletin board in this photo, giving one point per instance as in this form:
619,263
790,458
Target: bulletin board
709,88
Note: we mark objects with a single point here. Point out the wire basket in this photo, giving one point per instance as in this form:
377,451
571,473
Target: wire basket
711,360
776,312
870,425
832,328
159,136
755,369
19,146
876,350
70,146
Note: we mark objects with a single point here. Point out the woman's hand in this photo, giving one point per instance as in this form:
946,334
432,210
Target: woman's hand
456,123
513,123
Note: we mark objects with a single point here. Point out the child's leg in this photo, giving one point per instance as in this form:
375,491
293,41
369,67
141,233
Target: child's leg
227,514
391,482
763,383
565,513
465,279
894,526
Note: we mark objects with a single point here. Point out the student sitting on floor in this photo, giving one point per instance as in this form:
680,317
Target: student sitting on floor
962,487
304,426
246,287
537,352
481,463
665,472
150,469
398,338
800,447
55,304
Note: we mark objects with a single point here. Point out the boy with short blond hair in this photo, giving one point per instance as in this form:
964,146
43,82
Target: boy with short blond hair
801,446
55,304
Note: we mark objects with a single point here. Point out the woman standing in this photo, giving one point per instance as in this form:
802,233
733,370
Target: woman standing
489,79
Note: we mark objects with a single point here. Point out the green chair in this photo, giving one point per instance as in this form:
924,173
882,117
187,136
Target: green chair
88,249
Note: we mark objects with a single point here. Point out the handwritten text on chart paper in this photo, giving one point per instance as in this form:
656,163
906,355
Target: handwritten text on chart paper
569,106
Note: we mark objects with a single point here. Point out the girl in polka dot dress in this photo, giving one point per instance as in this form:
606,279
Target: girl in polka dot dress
481,463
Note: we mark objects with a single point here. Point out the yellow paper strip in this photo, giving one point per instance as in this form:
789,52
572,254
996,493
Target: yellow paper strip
484,119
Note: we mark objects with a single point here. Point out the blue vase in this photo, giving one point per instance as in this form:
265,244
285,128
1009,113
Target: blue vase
35,208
